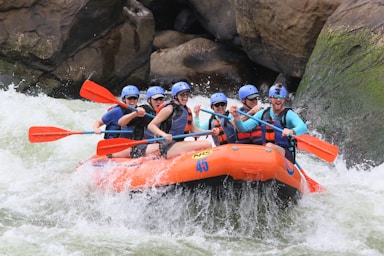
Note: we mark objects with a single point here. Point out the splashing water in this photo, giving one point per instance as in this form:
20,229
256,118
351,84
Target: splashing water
48,209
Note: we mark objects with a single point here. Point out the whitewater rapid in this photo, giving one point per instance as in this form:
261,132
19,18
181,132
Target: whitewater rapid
48,209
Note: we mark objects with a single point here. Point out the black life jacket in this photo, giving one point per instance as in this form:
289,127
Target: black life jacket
178,122
275,136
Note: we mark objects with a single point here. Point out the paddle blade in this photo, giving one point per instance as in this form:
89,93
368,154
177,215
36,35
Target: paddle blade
94,92
313,186
110,146
46,133
320,148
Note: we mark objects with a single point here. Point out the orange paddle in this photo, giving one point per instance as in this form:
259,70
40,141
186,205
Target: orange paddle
313,186
306,142
50,133
92,91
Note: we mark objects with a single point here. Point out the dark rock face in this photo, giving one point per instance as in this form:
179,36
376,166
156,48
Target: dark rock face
342,89
66,42
281,35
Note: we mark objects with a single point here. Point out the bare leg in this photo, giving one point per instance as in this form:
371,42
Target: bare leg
152,149
125,153
186,146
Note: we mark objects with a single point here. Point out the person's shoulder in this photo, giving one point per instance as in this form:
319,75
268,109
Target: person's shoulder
168,108
118,111
291,114
110,112
290,111
164,110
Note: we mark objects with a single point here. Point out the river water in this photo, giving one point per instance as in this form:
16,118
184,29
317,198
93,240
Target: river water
48,209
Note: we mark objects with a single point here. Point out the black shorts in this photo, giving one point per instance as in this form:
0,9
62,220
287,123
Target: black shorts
164,146
138,150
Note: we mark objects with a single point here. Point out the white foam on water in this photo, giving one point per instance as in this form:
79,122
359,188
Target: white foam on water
48,209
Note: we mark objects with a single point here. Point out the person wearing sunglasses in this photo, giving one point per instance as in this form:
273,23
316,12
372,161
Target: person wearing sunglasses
129,95
227,130
155,96
284,118
175,118
249,96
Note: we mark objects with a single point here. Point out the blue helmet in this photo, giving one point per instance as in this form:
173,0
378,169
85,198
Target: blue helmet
130,90
178,87
247,90
278,90
218,97
156,92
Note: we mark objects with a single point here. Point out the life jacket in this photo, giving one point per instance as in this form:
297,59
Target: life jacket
115,126
178,122
139,125
275,136
254,136
147,134
227,133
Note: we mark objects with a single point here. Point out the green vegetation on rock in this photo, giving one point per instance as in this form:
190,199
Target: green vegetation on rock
343,92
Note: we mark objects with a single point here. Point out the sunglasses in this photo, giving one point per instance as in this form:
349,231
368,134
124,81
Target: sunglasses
277,97
161,98
183,94
254,99
220,104
131,98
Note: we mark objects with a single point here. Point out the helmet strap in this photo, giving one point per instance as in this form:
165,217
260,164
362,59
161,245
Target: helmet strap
150,104
245,104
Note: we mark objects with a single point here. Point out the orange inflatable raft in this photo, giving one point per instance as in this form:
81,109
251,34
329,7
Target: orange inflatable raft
231,162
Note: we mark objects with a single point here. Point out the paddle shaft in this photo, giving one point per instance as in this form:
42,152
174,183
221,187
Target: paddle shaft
259,120
111,146
106,131
135,109
181,136
216,114
79,132
321,148
50,133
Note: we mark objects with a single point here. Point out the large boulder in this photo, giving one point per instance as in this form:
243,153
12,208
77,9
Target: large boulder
281,34
204,62
48,44
342,91
218,17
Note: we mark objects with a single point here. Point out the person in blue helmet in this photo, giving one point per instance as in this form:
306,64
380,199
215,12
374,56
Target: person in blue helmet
129,95
249,96
279,116
155,96
175,118
227,129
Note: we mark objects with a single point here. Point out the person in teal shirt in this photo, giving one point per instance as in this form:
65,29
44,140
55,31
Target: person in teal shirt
278,115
